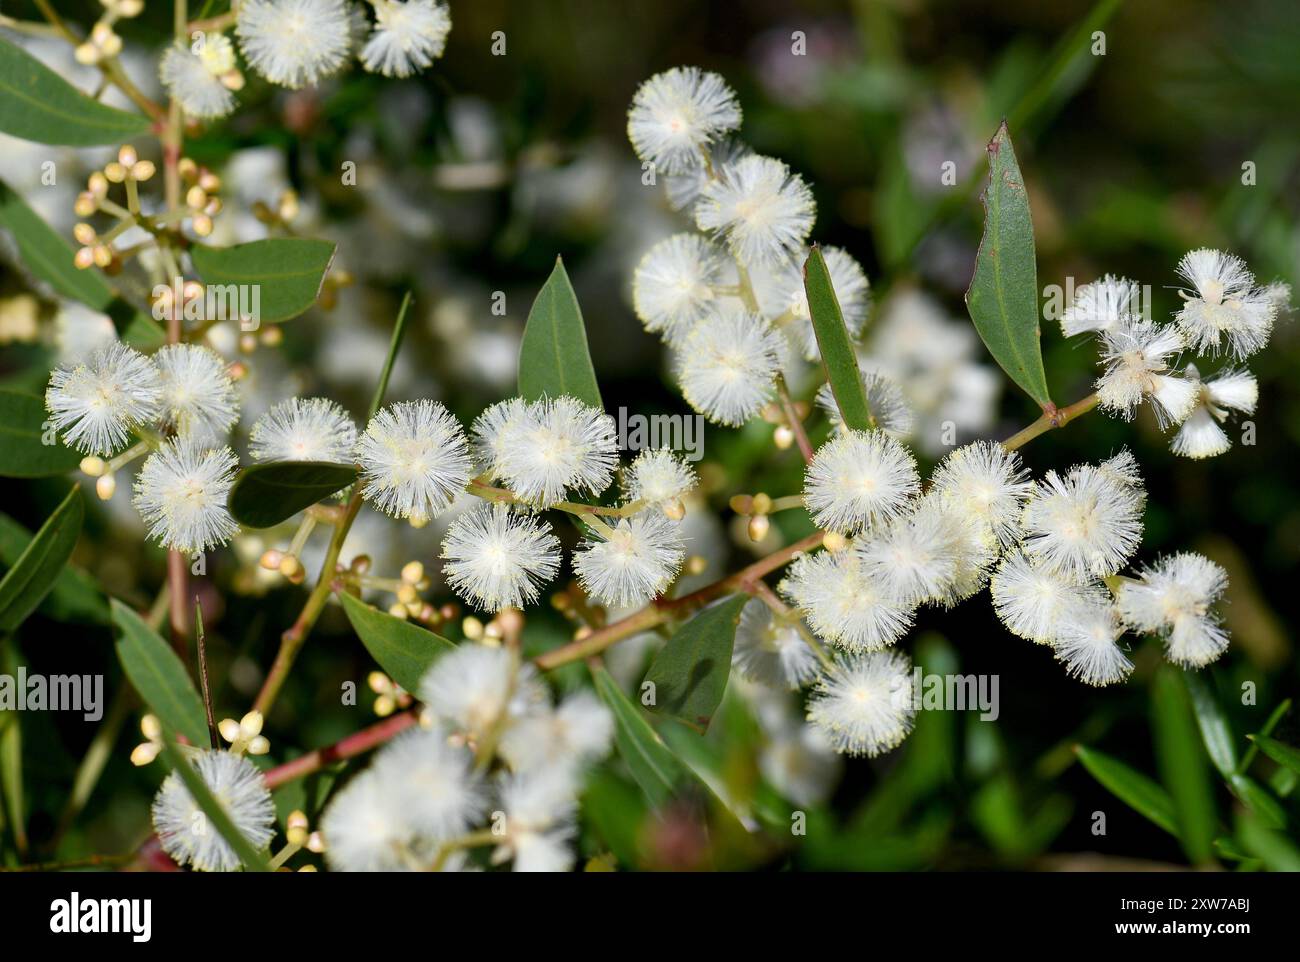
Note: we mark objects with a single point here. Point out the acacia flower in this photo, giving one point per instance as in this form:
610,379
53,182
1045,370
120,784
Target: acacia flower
987,481
575,732
198,396
475,688
676,114
1100,305
414,460
181,493
859,479
496,558
634,562
1034,601
864,704
183,828
96,402
783,295
727,366
557,445
491,432
842,604
658,476
1224,304
1174,599
1087,643
408,36
885,401
915,557
673,288
294,42
763,210
1201,436
195,79
1136,356
770,651
304,429
540,805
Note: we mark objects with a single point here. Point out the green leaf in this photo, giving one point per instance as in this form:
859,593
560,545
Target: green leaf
1215,731
1272,848
1181,762
158,675
1258,799
49,257
23,432
253,860
394,345
37,104
284,274
835,345
265,494
690,672
1003,294
653,766
1283,754
11,761
33,575
405,651
75,595
553,357
1274,719
1131,787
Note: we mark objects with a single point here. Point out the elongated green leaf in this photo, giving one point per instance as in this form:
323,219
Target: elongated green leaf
1182,764
23,434
75,595
394,345
1258,799
1272,848
11,761
1131,787
277,278
159,676
37,104
1280,752
27,583
752,804
553,357
1274,719
254,861
651,762
835,344
49,257
690,672
265,494
405,651
1003,294
1215,731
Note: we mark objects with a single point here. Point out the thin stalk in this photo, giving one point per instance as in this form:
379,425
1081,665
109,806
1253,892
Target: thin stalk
1052,418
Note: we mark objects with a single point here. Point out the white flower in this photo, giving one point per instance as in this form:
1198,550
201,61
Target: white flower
764,211
558,444
885,401
492,433
1174,600
497,559
635,562
843,605
658,476
1230,390
917,556
409,35
366,830
1224,303
1100,305
770,651
1033,601
1088,522
476,687
183,828
987,481
540,805
294,42
685,186
859,479
673,288
1086,643
783,295
433,779
800,763
96,402
577,731
727,365
304,429
181,494
198,396
865,703
1136,357
194,79
414,459
676,114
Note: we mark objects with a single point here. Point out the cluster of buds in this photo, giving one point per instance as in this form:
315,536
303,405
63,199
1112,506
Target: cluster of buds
245,735
299,835
783,433
505,627
201,198
103,42
756,508
270,336
148,750
96,250
391,695
406,589
105,472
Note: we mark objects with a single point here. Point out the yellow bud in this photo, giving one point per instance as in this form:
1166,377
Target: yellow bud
361,564
288,205
379,682
493,631
202,224
741,504
674,510
92,466
144,753
187,168
407,594
762,504
412,572
115,172
97,184
315,842
84,258
398,611
834,541
84,234
696,564
782,437
271,559
289,566
85,205
251,724
126,156
143,170
759,525
259,746
582,633
209,181
232,80
472,628
247,343
86,53
196,197
417,521
272,336
385,705
150,727
229,729
308,868
103,255
105,485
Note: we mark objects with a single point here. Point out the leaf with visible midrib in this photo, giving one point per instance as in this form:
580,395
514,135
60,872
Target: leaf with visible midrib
22,438
835,345
553,356
1131,787
285,273
690,672
156,672
75,595
1181,761
265,494
34,573
1003,295
37,104
405,651
652,764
